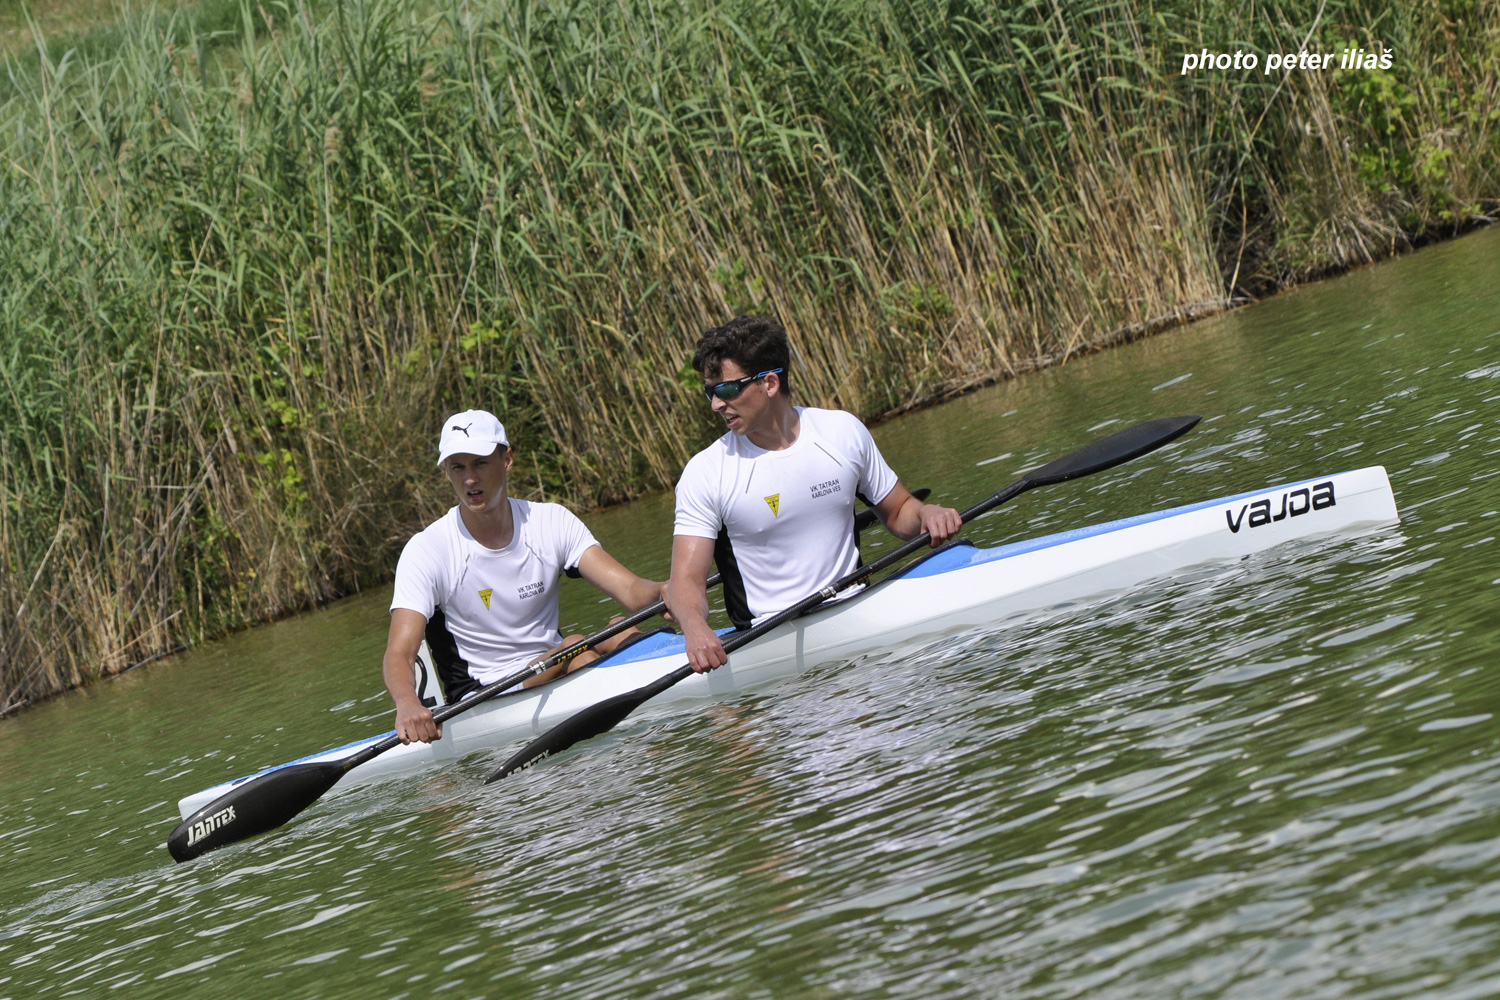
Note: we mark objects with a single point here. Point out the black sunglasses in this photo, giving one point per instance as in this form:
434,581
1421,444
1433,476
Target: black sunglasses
731,389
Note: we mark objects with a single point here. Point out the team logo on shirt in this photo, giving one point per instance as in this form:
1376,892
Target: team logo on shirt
484,595
774,502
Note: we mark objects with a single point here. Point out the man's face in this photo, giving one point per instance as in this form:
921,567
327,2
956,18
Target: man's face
745,412
479,480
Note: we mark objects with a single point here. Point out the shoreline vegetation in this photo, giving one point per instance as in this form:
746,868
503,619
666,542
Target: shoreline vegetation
249,260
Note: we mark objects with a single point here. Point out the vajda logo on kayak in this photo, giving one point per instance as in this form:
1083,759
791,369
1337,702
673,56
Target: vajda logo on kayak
1294,503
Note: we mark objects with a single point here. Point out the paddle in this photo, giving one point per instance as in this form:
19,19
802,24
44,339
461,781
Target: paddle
268,800
1097,457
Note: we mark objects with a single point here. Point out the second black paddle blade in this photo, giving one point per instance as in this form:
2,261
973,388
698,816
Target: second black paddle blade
1117,449
263,803
590,722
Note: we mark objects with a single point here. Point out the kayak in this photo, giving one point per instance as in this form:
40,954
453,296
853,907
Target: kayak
959,586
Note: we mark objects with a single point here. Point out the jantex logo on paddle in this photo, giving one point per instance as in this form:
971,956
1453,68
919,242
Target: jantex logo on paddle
1294,503
209,824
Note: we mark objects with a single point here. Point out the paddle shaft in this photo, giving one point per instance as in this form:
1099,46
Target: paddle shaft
1097,457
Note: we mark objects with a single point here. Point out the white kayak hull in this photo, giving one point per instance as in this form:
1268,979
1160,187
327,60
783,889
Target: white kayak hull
960,587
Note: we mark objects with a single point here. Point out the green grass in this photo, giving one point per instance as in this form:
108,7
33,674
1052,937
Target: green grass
94,29
251,258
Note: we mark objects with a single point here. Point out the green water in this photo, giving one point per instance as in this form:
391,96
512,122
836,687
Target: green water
1278,778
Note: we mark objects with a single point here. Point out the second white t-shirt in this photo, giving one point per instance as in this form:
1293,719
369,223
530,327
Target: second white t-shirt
784,519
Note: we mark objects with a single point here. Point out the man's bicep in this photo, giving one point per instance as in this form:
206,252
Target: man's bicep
408,628
692,557
889,508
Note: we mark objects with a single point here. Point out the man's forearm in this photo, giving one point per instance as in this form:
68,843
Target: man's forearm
400,676
688,602
644,593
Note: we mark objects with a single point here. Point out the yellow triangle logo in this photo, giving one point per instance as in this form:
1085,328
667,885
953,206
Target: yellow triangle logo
774,502
484,595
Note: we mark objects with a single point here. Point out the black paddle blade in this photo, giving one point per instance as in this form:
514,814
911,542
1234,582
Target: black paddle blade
258,805
590,722
1117,449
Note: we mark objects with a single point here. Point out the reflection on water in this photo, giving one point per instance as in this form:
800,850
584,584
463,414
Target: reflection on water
1276,778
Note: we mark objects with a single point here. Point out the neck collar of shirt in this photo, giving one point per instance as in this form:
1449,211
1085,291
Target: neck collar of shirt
515,531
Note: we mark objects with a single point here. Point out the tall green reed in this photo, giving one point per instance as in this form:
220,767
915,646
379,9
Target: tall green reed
246,270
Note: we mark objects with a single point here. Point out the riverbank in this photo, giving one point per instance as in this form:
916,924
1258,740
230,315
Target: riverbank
247,270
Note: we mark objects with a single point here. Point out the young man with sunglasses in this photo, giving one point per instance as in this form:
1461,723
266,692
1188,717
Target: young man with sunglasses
772,501
480,583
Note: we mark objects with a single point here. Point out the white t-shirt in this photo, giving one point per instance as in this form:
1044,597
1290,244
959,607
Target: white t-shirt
500,604
784,519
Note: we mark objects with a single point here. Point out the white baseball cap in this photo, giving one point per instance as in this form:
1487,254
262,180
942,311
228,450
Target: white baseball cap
472,432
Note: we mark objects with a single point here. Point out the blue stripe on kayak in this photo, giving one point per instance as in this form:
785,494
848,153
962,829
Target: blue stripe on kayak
654,644
357,745
962,556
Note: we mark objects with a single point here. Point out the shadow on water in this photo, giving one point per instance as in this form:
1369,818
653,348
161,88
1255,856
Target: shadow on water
1273,778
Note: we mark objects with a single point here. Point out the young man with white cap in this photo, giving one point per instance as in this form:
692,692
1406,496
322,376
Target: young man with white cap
480,583
772,501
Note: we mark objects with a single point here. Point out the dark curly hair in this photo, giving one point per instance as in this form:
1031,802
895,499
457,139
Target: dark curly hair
755,343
